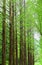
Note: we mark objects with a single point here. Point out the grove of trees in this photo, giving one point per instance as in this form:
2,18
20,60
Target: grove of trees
20,32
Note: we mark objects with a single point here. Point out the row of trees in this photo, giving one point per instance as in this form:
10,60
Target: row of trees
13,53
18,24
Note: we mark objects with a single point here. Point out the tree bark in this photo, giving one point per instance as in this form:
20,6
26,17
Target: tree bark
11,49
24,37
21,35
30,52
15,38
4,34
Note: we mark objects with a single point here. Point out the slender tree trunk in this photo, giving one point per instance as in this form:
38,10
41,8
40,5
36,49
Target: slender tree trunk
13,28
33,49
4,34
11,51
24,37
29,59
30,52
15,38
21,35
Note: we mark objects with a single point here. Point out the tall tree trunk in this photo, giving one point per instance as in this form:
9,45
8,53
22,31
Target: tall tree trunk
24,37
11,50
15,38
21,35
4,34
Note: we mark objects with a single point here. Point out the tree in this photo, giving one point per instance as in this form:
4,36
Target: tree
30,49
11,18
4,34
15,36
24,36
21,35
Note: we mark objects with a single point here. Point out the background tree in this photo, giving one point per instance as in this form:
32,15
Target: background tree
11,18
4,34
24,35
21,34
15,36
